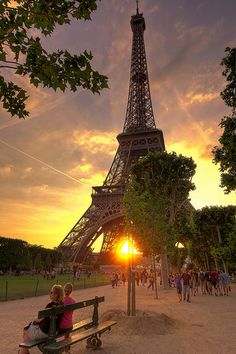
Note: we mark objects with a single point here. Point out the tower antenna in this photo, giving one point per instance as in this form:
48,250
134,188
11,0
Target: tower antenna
137,7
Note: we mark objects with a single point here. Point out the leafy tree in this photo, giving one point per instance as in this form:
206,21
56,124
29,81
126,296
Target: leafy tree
18,254
225,154
13,254
57,257
184,228
215,237
37,255
22,28
50,258
38,263
156,194
230,251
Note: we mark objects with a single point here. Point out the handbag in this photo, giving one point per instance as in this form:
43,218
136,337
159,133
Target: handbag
26,327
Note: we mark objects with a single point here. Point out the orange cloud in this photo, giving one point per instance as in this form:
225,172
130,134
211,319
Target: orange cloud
192,97
196,140
44,223
96,179
96,142
6,170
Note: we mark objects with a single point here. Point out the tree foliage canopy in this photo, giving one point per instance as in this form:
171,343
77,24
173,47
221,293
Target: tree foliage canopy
229,71
215,235
155,197
225,154
23,25
18,254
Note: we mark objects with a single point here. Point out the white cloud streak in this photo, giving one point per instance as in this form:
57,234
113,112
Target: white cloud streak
44,163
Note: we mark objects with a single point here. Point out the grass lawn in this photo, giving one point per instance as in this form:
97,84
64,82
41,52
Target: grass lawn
19,287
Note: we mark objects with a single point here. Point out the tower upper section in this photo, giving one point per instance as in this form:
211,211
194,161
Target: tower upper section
139,114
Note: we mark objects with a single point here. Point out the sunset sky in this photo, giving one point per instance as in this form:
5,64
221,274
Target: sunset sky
49,161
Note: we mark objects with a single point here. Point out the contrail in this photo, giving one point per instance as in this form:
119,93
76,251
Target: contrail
44,163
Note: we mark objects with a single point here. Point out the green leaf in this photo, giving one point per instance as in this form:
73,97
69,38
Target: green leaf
58,70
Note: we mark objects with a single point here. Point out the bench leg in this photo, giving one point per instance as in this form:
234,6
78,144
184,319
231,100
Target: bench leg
94,342
57,351
60,351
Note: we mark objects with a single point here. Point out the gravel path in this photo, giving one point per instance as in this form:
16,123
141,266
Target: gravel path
163,326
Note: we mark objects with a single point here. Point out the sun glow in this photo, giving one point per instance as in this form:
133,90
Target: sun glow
126,248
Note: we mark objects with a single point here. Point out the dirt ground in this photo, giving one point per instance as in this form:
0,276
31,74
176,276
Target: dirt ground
207,325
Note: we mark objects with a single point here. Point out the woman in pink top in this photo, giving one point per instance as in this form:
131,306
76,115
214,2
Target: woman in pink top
66,323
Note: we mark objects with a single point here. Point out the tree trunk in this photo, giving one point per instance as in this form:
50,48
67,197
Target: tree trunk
220,241
225,266
155,276
216,264
164,271
207,262
129,291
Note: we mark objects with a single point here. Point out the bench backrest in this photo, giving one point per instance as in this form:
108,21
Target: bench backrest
52,312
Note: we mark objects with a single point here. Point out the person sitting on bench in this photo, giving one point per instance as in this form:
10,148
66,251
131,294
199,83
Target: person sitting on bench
39,327
66,323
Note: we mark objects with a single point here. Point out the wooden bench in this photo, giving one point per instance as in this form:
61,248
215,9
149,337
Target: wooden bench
84,324
91,328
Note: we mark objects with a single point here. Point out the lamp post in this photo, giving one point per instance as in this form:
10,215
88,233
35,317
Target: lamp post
131,303
129,285
127,249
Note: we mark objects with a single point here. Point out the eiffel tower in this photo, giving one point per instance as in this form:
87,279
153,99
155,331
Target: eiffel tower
105,215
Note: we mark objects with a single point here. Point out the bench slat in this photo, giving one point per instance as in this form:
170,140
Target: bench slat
62,309
32,343
51,347
76,327
84,323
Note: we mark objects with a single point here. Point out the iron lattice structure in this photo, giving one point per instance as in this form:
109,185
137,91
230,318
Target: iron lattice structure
105,215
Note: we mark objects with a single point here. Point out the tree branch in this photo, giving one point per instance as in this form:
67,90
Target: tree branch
10,62
11,8
8,66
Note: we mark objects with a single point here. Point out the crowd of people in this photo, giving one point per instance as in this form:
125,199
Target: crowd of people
46,274
187,282
39,328
142,277
194,282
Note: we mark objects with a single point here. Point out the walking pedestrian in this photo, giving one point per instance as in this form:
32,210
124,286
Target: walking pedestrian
178,285
186,285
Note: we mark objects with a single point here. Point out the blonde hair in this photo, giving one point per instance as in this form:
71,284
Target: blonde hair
58,289
68,288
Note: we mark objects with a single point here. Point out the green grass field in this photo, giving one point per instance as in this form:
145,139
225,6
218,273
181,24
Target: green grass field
19,287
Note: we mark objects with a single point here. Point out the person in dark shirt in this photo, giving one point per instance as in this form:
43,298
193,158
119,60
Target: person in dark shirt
186,285
39,328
